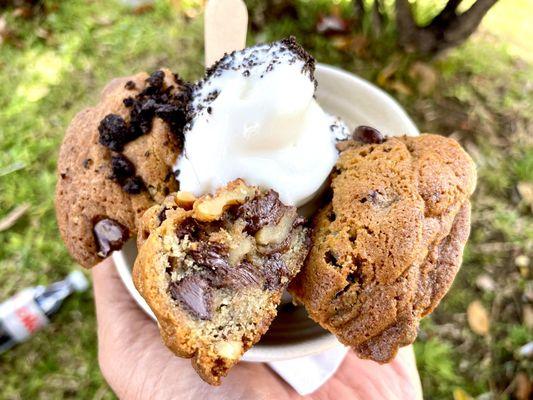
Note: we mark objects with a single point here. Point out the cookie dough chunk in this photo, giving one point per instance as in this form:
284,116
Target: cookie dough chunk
213,270
387,247
116,161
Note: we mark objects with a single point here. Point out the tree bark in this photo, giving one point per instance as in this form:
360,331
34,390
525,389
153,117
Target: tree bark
447,29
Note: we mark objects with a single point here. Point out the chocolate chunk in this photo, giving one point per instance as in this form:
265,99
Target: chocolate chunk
121,168
261,211
274,270
210,255
243,275
114,133
130,85
133,185
188,227
195,293
110,235
367,134
162,216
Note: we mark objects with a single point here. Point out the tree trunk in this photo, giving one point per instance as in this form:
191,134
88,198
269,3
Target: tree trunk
446,30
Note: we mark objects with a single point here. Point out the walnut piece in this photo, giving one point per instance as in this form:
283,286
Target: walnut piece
210,208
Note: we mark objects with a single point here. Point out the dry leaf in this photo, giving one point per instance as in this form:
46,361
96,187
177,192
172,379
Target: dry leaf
425,76
478,318
460,394
526,192
143,8
400,87
10,219
524,387
329,25
485,283
522,261
527,315
386,73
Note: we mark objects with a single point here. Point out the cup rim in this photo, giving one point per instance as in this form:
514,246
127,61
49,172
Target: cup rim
310,346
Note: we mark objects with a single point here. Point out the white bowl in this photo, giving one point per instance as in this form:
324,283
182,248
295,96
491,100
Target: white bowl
357,102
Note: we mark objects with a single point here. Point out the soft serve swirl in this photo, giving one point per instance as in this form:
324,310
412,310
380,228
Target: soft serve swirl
254,117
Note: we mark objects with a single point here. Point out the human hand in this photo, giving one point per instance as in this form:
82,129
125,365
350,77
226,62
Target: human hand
137,365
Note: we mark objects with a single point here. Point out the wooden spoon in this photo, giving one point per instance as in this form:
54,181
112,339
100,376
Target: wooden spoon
225,26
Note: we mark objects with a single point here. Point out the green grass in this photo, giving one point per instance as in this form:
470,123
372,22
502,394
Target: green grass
57,63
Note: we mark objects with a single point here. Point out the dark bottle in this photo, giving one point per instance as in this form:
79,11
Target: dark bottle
30,310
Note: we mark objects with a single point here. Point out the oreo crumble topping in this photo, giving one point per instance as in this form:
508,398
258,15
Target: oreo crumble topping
123,173
156,100
257,60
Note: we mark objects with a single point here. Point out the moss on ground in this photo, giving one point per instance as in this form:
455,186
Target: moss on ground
55,63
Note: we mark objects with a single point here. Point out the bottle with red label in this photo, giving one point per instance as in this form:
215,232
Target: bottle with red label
30,310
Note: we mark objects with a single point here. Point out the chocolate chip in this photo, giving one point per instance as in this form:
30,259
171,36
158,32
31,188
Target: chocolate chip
110,235
274,270
113,132
128,102
133,185
261,211
367,134
87,163
195,294
130,85
330,259
121,168
63,175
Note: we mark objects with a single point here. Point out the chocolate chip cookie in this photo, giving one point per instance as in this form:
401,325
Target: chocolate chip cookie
116,161
213,270
388,245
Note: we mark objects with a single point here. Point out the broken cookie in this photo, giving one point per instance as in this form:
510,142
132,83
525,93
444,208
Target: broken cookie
213,270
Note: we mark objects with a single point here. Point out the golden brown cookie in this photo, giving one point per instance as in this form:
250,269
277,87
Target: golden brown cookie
387,247
116,161
213,271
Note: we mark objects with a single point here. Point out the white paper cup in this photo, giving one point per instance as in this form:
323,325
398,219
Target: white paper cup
293,334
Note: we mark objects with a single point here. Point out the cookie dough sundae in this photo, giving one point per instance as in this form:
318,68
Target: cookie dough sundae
211,179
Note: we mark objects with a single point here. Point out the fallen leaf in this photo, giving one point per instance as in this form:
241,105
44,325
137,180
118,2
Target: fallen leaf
143,8
460,394
329,25
23,12
522,261
400,87
523,386
525,189
527,315
478,318
485,283
12,217
425,76
526,351
386,73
